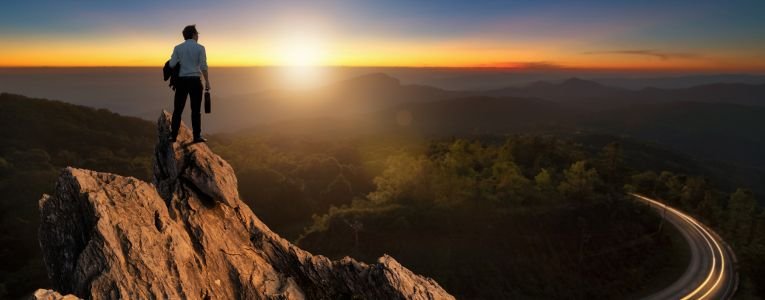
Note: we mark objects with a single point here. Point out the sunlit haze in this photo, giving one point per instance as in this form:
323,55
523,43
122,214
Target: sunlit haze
318,149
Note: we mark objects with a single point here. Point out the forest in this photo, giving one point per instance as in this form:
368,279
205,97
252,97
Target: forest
39,138
525,195
532,215
487,216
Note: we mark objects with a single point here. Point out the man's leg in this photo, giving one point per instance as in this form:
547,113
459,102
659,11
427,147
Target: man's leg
181,90
195,93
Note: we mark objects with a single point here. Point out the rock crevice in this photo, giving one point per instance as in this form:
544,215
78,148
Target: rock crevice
188,235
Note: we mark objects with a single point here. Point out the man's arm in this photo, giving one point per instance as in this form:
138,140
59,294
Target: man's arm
174,58
207,81
203,66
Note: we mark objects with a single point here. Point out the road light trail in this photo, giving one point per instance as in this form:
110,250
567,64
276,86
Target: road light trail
711,273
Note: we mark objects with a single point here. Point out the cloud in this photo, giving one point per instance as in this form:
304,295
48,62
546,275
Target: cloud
537,65
663,55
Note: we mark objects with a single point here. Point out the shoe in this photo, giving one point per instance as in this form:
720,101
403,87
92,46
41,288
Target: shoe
200,139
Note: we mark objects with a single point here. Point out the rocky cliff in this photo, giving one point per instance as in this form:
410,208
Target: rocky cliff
188,235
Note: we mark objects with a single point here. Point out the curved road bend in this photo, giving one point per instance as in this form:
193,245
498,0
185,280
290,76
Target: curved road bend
712,271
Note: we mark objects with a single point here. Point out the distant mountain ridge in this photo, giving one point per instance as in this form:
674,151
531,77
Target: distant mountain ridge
379,91
678,82
733,93
351,96
374,100
579,89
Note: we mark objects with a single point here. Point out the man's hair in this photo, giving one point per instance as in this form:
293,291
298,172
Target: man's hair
189,31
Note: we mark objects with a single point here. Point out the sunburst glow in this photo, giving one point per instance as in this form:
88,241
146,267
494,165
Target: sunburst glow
300,51
300,58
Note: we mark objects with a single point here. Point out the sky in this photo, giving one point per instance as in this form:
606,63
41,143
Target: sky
724,36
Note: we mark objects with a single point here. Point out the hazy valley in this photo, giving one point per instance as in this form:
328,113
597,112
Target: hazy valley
441,179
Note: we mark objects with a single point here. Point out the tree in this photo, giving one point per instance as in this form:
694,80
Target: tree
508,182
398,179
580,182
709,208
645,182
543,180
670,186
741,216
463,157
692,192
611,164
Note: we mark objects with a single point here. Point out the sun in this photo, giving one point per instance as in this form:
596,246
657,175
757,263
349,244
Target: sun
300,51
301,55
300,58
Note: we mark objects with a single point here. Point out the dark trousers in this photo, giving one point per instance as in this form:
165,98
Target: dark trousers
192,87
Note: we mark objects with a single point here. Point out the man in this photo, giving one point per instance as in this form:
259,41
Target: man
193,63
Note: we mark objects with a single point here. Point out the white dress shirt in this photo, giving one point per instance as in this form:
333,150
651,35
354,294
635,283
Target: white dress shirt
192,57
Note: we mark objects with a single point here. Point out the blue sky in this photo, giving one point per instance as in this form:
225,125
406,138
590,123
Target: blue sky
729,31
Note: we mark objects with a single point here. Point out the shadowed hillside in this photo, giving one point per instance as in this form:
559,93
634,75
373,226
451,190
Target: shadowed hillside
39,137
329,166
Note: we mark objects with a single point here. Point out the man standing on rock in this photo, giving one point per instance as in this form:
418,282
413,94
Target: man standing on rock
193,63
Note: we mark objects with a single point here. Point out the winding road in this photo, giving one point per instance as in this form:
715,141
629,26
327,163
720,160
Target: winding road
711,273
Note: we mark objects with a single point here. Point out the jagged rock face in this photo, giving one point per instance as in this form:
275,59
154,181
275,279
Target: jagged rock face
188,235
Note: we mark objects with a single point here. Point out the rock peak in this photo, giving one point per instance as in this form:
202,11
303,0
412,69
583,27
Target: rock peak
193,165
189,235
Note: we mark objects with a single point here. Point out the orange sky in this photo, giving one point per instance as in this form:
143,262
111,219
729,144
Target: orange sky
545,35
222,52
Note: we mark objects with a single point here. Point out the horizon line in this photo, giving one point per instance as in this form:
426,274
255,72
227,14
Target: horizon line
498,68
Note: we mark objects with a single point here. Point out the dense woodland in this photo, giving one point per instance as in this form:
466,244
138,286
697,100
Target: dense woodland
492,216
39,137
533,215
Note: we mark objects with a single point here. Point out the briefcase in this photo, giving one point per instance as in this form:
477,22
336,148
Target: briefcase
207,102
